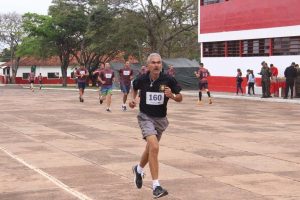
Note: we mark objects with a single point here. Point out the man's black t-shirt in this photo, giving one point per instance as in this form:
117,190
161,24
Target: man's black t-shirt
153,102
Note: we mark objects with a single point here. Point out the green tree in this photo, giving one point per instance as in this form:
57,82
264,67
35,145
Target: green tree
168,23
57,33
11,34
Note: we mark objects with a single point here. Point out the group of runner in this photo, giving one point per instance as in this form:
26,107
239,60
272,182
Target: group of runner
31,79
154,90
106,78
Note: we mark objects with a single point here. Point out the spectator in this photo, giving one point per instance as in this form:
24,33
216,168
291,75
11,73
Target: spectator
265,80
290,74
297,81
251,82
239,80
274,82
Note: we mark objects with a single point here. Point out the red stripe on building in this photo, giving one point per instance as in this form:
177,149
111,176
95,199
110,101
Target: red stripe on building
235,15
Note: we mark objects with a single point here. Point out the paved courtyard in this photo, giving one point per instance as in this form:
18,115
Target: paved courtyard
54,147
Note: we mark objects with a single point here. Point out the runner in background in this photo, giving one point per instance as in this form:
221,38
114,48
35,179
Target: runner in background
202,74
31,79
106,77
81,74
126,76
40,79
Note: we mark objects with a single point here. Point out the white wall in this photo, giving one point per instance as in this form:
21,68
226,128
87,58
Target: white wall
286,31
43,70
226,66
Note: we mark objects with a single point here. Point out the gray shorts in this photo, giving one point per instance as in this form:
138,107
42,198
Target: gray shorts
152,125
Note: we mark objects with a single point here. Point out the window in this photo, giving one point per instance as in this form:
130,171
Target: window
233,48
214,49
25,76
207,2
286,46
53,75
258,47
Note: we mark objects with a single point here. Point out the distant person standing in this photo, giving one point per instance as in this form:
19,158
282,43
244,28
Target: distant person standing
297,81
126,76
251,82
274,82
171,71
40,79
290,74
202,74
265,80
106,77
31,79
239,80
81,74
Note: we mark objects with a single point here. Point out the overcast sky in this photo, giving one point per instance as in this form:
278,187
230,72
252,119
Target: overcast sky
23,6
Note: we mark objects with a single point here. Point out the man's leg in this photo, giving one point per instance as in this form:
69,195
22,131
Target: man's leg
208,94
80,94
268,88
200,95
145,156
153,149
286,89
292,89
108,101
124,101
263,85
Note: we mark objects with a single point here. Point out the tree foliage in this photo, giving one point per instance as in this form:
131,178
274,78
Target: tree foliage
11,35
167,24
95,31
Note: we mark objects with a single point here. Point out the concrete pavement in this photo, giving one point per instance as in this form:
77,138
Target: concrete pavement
54,147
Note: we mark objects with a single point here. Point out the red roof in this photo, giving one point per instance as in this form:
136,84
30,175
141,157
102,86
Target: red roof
54,61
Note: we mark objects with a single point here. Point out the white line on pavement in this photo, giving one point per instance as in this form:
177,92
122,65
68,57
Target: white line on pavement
60,184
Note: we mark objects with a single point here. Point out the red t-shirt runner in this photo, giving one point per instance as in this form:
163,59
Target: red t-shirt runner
125,75
107,75
204,73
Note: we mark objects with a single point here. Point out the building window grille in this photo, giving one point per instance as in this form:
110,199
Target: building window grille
53,75
25,76
208,2
233,48
286,46
257,47
214,49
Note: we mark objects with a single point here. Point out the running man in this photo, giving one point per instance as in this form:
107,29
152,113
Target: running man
31,79
106,77
126,76
97,73
156,89
202,75
40,79
171,71
81,74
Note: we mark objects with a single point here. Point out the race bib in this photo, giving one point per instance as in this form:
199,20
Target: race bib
126,73
155,98
108,75
82,72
